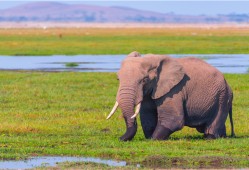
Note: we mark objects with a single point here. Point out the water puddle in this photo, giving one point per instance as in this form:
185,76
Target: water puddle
52,161
226,63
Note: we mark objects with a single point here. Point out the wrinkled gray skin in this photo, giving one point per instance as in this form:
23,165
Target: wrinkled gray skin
173,93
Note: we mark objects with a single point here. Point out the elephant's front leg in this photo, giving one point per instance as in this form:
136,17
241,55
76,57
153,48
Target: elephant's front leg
170,118
148,116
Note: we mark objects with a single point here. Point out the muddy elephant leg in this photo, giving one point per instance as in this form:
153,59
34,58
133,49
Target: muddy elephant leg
222,131
161,133
170,118
200,129
217,128
148,117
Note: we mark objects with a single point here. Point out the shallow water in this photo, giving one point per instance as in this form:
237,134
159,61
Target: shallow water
53,160
226,63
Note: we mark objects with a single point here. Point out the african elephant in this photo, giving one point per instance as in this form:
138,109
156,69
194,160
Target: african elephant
171,93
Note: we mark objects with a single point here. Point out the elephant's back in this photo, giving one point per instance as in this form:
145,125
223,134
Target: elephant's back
201,70
191,65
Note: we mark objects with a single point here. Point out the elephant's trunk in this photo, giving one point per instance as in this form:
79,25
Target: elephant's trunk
126,100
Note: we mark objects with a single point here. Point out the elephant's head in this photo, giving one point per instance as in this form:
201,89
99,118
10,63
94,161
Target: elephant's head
153,75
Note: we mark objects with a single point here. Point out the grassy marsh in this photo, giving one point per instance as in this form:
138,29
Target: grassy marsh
64,114
73,41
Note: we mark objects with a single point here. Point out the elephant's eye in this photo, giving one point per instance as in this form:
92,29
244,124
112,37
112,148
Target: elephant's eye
146,79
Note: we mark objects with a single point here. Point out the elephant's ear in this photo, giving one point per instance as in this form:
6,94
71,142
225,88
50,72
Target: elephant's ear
169,74
134,54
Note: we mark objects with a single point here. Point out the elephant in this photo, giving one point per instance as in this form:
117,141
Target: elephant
170,93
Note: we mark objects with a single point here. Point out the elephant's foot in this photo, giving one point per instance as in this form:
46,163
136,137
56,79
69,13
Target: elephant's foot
209,136
148,133
218,133
129,134
161,133
200,129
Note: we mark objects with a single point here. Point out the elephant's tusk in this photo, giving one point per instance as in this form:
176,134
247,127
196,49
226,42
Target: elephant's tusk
137,111
113,110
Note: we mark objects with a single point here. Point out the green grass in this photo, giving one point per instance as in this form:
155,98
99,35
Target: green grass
64,114
71,64
123,41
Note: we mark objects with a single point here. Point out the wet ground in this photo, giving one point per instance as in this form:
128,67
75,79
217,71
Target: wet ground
226,63
52,161
151,162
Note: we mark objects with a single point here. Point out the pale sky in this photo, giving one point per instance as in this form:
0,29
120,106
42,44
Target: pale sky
177,7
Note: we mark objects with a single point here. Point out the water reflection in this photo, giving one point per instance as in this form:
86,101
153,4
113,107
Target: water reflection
226,63
53,161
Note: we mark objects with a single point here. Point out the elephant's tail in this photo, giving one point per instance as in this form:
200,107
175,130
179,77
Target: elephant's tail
230,106
231,119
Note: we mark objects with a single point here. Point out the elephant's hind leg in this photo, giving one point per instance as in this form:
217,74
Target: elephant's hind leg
148,117
217,128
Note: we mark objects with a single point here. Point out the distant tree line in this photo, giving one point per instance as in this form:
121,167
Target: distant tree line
170,18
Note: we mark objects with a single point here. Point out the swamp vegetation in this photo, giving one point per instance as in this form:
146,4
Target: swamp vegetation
45,113
64,114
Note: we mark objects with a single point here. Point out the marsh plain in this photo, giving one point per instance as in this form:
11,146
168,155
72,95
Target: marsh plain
63,113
